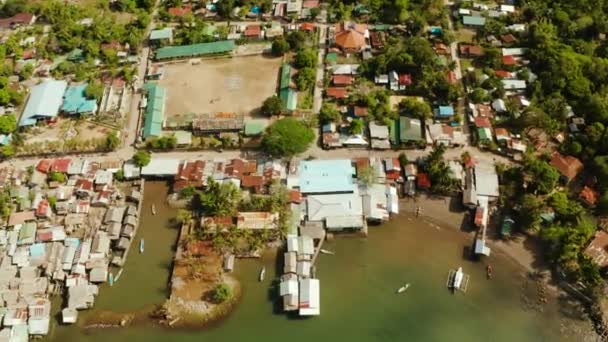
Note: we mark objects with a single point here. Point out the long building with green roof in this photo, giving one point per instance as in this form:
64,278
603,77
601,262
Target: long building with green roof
155,111
184,51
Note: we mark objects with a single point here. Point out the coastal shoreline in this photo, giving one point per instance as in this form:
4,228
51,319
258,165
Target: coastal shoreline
446,211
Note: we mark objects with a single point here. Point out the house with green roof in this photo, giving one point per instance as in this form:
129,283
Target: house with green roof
161,36
75,101
285,76
484,135
286,94
155,111
289,98
221,47
254,127
410,129
473,21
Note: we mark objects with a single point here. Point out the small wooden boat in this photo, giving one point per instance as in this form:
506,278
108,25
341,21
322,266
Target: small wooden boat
141,246
489,271
111,280
325,251
153,209
262,273
118,275
403,288
458,278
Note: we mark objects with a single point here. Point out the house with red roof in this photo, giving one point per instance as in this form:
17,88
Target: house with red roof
189,173
44,209
423,181
360,112
336,93
503,73
309,27
253,183
295,196
509,61
482,122
180,11
253,32
568,166
19,19
342,80
44,165
60,165
469,50
405,80
589,196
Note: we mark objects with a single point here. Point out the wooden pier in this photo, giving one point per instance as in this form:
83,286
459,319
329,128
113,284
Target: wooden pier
464,285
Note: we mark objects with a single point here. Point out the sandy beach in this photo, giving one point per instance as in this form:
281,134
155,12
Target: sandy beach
446,211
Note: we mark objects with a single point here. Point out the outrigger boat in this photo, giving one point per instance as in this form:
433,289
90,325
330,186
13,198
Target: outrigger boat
403,288
458,279
141,246
262,273
153,209
325,251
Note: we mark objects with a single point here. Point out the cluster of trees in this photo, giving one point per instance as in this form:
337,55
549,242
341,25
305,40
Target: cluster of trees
273,106
305,61
416,14
142,158
221,293
8,95
287,137
162,143
194,30
112,141
530,188
442,180
225,8
415,55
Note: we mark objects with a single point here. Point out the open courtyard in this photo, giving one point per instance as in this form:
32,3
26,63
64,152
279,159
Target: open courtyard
238,85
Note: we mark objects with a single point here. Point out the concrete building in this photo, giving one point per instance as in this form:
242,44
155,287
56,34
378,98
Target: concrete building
43,103
326,176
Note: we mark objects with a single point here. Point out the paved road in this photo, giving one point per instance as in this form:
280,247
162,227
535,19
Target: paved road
318,92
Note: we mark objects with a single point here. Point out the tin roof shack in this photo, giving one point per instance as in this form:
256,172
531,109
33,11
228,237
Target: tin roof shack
21,217
290,262
189,173
114,215
597,250
40,317
101,246
69,316
82,296
486,181
289,290
309,301
216,123
257,220
161,168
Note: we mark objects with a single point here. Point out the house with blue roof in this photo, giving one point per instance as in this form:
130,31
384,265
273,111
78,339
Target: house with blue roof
75,101
327,177
43,103
444,112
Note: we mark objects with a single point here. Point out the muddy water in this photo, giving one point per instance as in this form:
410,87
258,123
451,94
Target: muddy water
358,300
